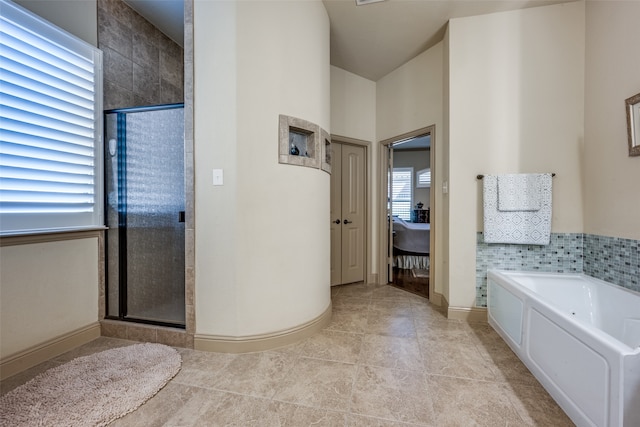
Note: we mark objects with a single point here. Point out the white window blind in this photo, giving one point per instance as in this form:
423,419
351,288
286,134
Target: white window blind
423,178
402,193
50,126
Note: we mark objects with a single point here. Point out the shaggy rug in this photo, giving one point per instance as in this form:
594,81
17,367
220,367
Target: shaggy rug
91,390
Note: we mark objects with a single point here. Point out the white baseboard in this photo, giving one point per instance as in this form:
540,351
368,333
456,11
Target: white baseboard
261,342
469,314
37,354
436,299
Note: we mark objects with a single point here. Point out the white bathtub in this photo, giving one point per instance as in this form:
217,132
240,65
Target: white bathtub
579,336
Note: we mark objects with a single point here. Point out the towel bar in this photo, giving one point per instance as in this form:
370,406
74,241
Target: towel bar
482,176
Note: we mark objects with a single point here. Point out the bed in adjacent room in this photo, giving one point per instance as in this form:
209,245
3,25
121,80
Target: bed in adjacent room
410,244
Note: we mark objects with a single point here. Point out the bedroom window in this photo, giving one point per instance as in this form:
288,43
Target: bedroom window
402,193
423,178
50,127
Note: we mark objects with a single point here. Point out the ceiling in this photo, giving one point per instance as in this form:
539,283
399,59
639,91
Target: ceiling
375,39
370,40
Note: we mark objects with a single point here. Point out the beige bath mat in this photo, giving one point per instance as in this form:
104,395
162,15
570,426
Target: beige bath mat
91,390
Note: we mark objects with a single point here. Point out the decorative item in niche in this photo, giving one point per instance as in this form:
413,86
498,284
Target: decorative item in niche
299,142
633,124
325,155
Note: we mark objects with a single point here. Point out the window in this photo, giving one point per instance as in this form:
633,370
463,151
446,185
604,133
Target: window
50,126
423,178
402,193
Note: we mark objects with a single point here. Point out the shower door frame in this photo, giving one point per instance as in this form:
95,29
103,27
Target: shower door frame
122,221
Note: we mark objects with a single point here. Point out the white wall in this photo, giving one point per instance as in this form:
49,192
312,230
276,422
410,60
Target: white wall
80,18
407,99
50,289
611,177
46,290
410,97
262,239
353,115
353,105
444,160
516,104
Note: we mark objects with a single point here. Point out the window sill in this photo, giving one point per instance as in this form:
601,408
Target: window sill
43,236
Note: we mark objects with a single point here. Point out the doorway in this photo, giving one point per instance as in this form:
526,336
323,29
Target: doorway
145,214
348,213
408,204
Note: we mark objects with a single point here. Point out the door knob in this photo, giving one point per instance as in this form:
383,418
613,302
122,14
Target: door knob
346,221
337,221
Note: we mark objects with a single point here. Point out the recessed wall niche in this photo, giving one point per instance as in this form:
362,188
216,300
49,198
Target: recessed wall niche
299,142
326,151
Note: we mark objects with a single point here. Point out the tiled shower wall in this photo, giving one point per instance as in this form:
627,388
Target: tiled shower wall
607,258
142,66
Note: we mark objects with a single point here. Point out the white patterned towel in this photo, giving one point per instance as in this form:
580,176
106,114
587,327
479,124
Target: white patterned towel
520,192
526,227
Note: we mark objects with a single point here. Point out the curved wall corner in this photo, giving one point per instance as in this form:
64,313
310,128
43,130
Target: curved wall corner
262,238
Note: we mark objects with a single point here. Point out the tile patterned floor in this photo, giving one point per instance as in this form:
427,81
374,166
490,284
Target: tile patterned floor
388,358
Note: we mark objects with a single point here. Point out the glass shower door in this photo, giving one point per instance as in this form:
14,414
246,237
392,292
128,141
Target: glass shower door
145,214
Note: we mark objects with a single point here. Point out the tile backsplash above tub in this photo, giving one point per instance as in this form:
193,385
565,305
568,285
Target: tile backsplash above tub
612,259
563,254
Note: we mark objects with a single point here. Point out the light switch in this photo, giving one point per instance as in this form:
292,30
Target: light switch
218,177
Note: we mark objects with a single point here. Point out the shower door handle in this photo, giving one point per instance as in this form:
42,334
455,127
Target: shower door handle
181,216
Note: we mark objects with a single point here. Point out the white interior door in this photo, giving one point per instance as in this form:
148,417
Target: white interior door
347,214
336,214
353,215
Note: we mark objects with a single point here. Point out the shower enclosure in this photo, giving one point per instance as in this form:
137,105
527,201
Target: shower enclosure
144,180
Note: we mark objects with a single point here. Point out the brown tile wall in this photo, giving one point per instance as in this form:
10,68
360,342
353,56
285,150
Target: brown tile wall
142,66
